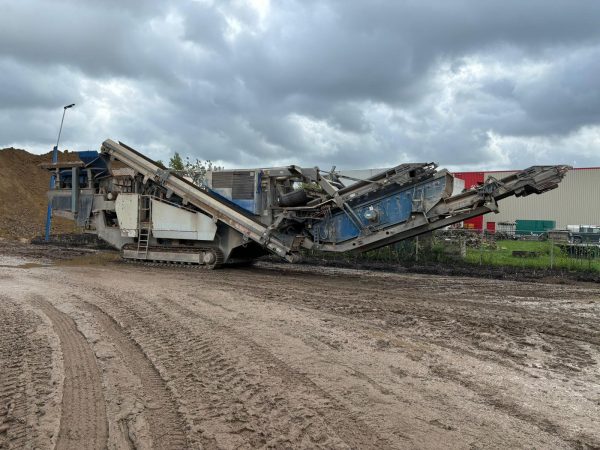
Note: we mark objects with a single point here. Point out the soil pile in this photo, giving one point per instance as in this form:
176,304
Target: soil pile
23,201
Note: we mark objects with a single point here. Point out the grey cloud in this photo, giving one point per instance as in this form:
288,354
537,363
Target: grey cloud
21,86
99,41
566,96
328,82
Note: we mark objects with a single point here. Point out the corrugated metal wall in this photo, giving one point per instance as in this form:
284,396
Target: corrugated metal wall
576,201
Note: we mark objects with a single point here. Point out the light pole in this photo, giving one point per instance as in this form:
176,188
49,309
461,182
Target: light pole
52,179
60,129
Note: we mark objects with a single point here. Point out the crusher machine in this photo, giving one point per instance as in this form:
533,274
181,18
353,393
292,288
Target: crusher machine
151,213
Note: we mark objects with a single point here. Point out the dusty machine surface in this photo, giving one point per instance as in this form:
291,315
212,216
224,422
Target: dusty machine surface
151,213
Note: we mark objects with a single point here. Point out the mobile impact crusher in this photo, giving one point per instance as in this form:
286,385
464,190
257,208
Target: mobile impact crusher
151,213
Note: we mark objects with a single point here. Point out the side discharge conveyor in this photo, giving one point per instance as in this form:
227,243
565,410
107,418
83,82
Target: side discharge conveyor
152,213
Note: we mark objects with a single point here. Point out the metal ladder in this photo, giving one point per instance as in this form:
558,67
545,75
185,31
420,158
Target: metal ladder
144,225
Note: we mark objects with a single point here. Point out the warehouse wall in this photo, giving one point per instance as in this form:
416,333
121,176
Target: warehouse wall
472,179
576,201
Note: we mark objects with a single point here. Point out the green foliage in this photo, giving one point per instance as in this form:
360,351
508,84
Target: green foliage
550,255
176,163
197,170
486,253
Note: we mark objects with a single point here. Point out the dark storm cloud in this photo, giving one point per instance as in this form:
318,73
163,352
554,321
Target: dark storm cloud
566,96
467,83
22,87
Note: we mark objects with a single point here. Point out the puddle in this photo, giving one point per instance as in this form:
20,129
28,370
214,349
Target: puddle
16,262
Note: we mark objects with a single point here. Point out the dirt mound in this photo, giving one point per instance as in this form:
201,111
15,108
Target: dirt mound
23,201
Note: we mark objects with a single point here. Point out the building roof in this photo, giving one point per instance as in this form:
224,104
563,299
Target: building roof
516,170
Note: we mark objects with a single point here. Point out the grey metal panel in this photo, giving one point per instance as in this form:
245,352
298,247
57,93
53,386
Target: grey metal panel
575,201
62,202
242,186
75,189
222,179
85,209
241,183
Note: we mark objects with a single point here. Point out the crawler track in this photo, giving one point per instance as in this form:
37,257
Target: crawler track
161,254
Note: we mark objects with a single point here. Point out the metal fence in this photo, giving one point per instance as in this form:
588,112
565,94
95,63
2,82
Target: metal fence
477,248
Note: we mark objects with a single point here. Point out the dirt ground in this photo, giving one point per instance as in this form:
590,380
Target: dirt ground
95,353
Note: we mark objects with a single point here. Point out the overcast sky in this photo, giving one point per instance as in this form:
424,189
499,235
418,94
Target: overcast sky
469,84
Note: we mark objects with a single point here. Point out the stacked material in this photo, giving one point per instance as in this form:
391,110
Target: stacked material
23,186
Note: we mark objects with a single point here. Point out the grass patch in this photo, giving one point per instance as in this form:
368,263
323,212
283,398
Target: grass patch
550,255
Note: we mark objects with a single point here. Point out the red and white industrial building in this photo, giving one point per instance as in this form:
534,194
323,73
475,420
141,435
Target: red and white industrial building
576,201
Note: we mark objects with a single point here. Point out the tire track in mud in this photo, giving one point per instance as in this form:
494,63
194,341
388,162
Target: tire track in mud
83,422
13,425
165,422
518,410
512,322
196,355
13,431
516,321
351,430
469,317
25,377
243,397
159,345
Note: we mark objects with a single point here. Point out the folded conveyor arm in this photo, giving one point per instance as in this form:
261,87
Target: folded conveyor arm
452,209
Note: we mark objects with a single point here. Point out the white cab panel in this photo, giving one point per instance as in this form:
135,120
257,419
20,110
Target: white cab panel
126,207
175,223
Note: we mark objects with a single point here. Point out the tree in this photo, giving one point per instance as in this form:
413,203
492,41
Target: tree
176,163
197,170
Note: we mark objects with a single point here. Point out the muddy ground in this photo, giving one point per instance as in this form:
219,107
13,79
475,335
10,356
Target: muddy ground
95,353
